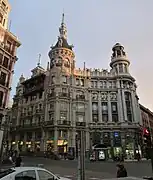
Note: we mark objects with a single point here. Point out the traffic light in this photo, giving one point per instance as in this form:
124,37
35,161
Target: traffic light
147,137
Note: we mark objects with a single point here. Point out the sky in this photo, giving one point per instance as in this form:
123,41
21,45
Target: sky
93,28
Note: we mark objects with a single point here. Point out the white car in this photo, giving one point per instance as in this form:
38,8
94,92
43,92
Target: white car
28,173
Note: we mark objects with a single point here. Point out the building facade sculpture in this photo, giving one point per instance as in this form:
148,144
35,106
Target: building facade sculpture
54,104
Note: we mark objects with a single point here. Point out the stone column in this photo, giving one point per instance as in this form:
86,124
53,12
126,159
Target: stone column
57,112
33,141
87,140
46,111
43,141
134,107
73,137
99,109
55,140
109,109
90,108
119,103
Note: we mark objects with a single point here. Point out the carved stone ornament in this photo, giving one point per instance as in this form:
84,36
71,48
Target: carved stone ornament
104,96
113,96
60,42
94,96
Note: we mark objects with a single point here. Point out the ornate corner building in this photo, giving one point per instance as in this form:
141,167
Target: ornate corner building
8,46
54,104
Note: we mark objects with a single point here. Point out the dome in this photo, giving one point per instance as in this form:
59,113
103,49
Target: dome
62,43
117,45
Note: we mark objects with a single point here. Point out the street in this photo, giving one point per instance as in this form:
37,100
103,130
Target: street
94,170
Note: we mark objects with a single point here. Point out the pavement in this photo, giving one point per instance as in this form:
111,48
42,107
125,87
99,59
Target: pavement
93,170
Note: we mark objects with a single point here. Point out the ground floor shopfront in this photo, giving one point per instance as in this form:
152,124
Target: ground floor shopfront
127,142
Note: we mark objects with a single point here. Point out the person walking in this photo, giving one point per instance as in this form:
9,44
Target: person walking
18,161
121,171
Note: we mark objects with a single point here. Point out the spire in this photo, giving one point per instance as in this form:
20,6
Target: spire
39,60
63,29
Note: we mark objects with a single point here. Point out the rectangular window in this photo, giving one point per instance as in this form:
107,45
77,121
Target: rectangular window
1,98
2,78
5,62
1,58
120,68
8,46
95,117
105,117
104,107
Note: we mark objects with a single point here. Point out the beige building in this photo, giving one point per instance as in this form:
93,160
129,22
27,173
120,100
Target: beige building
53,105
8,46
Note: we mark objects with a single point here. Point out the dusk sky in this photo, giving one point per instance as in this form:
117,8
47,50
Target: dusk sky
94,26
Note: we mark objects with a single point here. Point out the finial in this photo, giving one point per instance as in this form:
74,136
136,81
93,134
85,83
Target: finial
39,60
63,17
47,66
84,65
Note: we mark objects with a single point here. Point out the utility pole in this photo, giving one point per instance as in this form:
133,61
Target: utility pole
81,155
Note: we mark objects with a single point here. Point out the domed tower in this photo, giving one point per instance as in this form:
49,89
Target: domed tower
61,54
119,61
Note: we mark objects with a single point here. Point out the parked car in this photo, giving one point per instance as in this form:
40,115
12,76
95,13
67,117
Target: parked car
28,173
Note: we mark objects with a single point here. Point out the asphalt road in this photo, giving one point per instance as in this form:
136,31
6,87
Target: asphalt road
94,170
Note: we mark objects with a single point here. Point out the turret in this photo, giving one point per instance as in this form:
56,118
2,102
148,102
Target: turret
119,61
61,54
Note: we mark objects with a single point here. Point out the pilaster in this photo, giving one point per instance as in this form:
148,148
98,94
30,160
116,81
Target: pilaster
109,109
134,108
99,109
90,108
119,103
55,140
124,106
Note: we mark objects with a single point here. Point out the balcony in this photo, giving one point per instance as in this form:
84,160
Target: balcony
51,95
48,123
39,111
63,95
64,123
3,10
80,97
81,124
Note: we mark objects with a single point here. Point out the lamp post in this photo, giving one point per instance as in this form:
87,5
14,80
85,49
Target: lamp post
81,155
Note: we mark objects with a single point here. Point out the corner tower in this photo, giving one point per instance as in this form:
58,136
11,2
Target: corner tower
61,54
119,61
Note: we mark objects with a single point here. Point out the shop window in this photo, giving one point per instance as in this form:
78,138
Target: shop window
5,62
30,174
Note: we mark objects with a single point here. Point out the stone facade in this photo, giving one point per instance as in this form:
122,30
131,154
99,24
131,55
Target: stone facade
8,46
52,106
147,118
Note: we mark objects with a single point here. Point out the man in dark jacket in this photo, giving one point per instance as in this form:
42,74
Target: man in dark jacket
121,172
18,161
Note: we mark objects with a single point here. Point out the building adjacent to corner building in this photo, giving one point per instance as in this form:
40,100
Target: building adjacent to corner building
8,46
53,105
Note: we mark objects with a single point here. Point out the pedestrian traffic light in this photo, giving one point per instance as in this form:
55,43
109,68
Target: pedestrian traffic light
147,137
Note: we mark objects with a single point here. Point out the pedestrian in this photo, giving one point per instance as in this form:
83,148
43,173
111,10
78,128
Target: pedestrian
18,161
121,171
